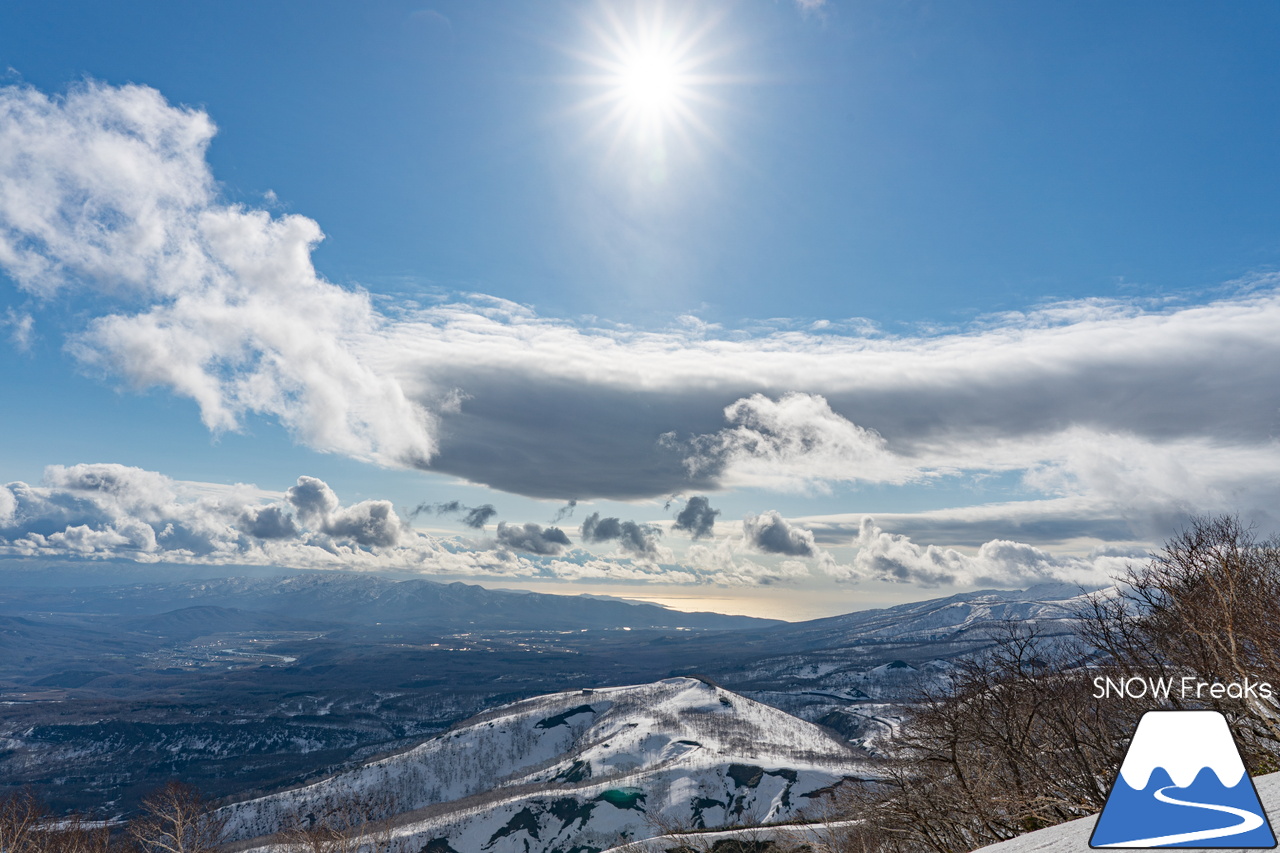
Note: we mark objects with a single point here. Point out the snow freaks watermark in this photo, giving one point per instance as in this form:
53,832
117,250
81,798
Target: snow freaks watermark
1183,784
1186,687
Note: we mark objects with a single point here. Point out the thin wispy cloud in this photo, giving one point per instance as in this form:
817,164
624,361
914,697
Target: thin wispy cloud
21,326
475,517
564,512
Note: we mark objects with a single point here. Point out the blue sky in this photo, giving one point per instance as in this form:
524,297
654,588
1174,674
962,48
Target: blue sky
918,296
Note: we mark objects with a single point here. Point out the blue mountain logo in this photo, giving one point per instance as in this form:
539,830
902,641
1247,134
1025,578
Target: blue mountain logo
1182,784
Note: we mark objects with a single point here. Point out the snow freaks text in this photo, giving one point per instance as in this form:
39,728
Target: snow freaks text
1186,687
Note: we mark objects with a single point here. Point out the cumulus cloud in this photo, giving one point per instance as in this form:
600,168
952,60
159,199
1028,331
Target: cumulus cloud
771,533
109,511
268,522
366,523
724,561
697,518
312,498
640,540
107,190
112,511
533,538
794,443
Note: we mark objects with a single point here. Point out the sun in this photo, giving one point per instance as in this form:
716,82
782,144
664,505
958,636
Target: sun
650,82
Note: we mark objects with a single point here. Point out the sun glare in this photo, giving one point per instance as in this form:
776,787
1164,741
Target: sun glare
650,81
650,85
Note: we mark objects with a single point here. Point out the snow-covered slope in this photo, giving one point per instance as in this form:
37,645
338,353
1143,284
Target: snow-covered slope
585,770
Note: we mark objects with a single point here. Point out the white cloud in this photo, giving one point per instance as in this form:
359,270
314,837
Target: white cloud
110,511
8,506
107,189
1115,410
724,561
892,557
795,443
21,328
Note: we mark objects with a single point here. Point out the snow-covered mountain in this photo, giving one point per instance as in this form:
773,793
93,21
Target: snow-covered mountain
938,619
588,769
856,672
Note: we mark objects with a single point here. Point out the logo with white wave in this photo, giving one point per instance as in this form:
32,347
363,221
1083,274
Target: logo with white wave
1182,784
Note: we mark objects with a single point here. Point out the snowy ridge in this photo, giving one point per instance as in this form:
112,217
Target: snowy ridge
940,618
587,770
1183,743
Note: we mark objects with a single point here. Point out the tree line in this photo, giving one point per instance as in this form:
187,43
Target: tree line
176,818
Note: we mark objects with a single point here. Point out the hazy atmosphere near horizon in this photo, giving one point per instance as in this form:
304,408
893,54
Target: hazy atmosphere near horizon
785,308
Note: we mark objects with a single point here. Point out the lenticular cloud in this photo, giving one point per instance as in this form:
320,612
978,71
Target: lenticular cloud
107,190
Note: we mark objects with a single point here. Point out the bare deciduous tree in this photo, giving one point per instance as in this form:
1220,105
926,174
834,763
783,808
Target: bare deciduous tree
1206,607
1020,741
21,816
27,827
1015,743
176,818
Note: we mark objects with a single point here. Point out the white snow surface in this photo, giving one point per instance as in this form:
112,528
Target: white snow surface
590,769
1183,743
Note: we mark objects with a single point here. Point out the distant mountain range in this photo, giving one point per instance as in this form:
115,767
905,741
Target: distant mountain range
369,600
239,683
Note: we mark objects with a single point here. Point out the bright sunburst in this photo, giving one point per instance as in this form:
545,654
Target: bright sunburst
650,84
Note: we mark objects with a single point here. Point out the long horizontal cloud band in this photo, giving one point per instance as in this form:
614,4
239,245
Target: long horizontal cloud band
112,512
107,191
